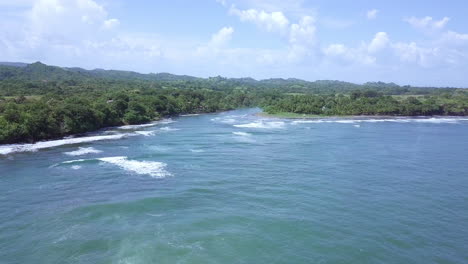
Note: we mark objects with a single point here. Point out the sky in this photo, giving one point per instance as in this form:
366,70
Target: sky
415,42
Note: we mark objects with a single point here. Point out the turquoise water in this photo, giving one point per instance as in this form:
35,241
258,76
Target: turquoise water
235,188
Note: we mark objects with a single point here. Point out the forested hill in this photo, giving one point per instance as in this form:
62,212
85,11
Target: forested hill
39,72
39,102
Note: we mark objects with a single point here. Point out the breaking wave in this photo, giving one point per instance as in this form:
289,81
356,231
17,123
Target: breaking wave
242,134
167,129
433,120
263,125
83,151
145,133
197,150
131,127
153,168
8,149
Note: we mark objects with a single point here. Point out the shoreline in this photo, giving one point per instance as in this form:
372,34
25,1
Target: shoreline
294,116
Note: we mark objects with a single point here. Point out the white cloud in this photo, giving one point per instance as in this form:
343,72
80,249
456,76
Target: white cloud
62,32
221,37
379,42
270,21
372,14
452,38
363,54
427,23
303,32
111,23
351,55
413,53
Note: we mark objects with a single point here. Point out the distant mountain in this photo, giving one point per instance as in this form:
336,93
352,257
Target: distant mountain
13,64
41,72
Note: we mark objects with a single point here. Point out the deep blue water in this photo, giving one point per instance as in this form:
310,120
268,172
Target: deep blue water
236,188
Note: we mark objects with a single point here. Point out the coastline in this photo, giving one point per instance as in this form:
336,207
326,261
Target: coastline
294,116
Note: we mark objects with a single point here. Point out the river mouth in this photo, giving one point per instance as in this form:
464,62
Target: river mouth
234,187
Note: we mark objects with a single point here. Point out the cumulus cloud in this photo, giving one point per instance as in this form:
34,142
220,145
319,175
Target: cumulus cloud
413,53
379,42
363,54
350,55
270,21
372,14
63,32
304,31
427,23
221,37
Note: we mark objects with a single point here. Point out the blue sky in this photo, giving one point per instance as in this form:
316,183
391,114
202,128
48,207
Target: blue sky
406,42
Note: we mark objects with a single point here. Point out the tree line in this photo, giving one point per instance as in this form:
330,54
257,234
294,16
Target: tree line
39,102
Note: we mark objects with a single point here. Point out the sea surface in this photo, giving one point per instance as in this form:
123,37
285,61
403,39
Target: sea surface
233,187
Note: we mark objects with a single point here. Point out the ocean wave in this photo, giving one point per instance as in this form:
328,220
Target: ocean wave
83,151
132,127
75,161
145,133
153,168
9,149
197,150
263,125
167,129
224,120
433,120
242,134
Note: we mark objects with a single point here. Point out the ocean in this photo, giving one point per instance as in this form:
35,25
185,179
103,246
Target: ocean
234,187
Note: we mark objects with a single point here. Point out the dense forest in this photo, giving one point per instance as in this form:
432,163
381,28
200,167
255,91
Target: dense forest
40,102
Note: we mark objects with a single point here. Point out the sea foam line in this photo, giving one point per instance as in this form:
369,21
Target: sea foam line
153,168
242,134
83,151
8,149
131,127
263,125
394,120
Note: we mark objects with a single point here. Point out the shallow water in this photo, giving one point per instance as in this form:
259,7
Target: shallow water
236,188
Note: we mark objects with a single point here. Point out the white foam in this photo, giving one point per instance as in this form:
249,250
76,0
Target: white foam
440,120
166,121
263,125
190,115
145,133
82,151
197,150
167,129
131,127
76,167
75,161
230,119
434,120
8,149
242,134
152,168
357,125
